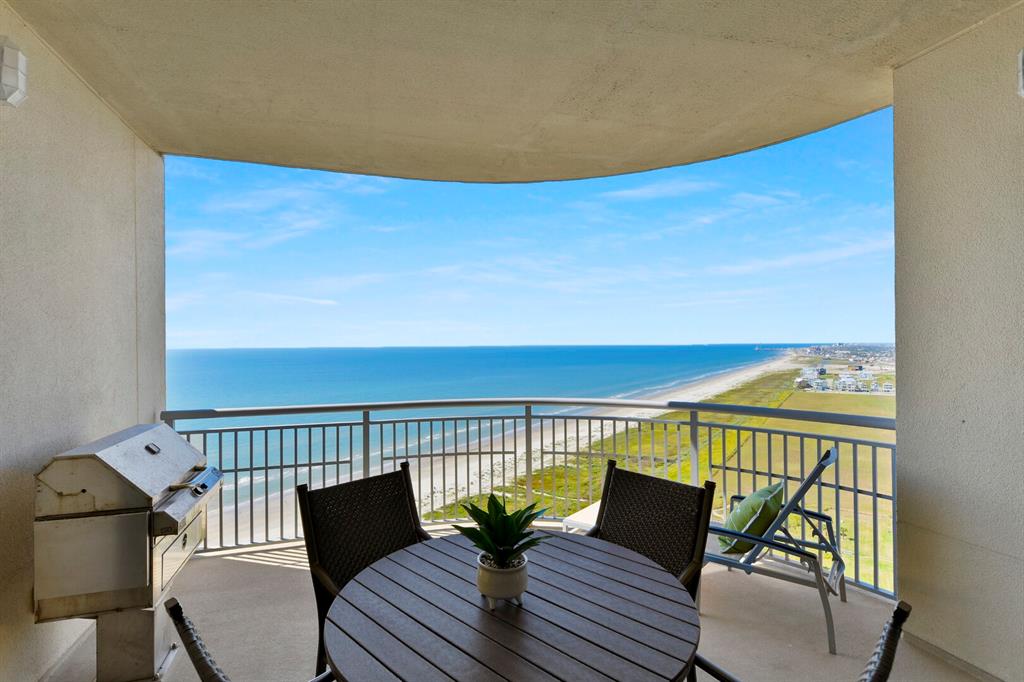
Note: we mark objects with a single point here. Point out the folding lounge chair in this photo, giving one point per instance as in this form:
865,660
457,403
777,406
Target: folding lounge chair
778,538
879,665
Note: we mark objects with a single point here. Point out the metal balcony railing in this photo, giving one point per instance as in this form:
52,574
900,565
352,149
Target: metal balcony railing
549,450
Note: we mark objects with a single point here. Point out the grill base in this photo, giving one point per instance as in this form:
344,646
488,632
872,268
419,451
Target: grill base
134,645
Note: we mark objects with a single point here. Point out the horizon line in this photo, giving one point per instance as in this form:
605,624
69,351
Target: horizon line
782,344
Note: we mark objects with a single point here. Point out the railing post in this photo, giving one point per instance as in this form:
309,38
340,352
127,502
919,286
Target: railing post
694,449
366,443
529,453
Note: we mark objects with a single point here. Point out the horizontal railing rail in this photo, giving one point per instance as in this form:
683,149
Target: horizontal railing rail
554,458
865,421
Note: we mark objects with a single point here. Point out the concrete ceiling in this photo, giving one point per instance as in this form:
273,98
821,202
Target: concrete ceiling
480,90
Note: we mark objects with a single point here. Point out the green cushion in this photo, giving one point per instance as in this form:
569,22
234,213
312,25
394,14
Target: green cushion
753,516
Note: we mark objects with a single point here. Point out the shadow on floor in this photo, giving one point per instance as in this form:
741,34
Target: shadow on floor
255,609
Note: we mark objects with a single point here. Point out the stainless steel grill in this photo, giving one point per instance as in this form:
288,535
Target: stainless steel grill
115,521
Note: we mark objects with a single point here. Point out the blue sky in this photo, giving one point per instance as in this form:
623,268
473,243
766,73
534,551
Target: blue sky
791,243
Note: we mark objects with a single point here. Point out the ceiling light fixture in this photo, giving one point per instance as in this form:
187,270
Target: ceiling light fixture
13,73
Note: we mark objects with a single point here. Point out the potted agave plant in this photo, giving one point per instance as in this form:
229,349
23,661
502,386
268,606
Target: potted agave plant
502,539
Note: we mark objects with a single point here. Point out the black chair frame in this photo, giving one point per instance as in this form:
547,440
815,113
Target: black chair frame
325,586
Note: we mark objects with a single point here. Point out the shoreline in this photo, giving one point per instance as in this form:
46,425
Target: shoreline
696,390
445,467
427,473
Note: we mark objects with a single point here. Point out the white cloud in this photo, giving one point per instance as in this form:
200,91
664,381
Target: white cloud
184,299
751,200
201,242
290,224
723,297
337,284
288,298
315,191
807,258
661,190
260,200
387,229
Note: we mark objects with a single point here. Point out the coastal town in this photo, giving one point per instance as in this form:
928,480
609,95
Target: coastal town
849,368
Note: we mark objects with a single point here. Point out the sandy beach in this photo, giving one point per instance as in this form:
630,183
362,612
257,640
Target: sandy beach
444,478
702,389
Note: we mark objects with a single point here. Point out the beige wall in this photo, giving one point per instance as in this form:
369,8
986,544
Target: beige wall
81,308
959,143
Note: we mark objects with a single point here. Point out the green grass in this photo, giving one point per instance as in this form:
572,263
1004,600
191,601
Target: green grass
575,479
870,465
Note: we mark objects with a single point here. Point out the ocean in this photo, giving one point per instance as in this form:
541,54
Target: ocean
296,376
268,461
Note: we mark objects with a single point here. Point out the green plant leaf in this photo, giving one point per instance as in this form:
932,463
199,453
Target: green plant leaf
522,547
480,539
501,534
476,513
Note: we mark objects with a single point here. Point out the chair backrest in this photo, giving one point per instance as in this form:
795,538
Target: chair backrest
880,664
349,526
828,459
665,521
203,662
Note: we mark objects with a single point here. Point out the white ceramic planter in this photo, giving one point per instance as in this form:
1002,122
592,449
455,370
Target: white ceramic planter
501,583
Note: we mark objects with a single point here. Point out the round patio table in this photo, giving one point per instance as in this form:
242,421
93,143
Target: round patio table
593,610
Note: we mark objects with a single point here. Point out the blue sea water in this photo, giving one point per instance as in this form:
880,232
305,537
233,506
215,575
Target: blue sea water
274,377
296,376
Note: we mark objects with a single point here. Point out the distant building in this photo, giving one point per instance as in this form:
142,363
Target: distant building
847,383
887,387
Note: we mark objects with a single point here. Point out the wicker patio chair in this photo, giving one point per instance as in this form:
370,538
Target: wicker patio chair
779,540
196,649
665,521
349,526
880,664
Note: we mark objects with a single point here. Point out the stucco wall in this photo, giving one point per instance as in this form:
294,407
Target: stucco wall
959,144
81,308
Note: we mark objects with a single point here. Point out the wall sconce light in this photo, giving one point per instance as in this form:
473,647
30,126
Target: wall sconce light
13,73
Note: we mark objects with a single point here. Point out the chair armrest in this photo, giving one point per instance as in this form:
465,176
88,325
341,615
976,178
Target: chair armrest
327,676
713,670
321,577
692,570
825,520
758,540
815,515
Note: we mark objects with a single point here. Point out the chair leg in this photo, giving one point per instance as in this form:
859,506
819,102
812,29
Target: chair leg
842,589
321,654
823,593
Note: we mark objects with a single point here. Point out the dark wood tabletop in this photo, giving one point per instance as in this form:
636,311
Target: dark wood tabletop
593,611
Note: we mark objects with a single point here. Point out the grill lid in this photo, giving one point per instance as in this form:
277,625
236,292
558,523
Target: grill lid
131,469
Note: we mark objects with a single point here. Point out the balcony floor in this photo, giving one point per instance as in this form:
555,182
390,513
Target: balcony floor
255,611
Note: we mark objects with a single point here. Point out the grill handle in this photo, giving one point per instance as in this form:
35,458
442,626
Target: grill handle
172,515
